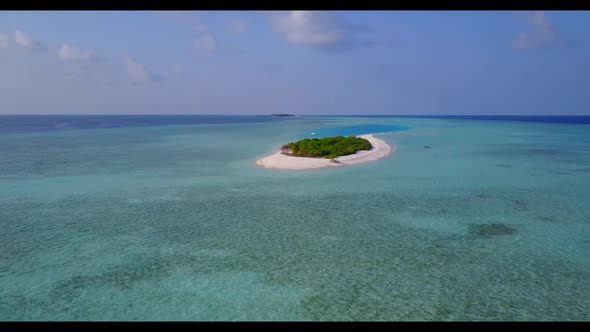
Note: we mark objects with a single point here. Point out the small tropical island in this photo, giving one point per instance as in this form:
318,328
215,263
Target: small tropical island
327,152
282,114
327,147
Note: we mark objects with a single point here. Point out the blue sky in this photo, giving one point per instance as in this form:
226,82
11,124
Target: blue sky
254,62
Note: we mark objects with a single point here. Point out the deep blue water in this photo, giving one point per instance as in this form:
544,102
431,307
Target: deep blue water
31,123
574,119
27,123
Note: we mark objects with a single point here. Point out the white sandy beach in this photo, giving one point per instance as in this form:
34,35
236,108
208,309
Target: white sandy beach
279,160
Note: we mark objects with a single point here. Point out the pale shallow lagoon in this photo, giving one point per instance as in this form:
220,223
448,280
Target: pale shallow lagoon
176,222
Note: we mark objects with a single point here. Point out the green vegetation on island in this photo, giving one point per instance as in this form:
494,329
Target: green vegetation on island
327,147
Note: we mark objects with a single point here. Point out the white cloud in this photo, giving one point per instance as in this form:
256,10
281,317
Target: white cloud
72,53
237,26
25,41
85,74
181,17
77,72
542,35
315,29
139,73
4,40
539,19
25,73
205,41
103,79
179,71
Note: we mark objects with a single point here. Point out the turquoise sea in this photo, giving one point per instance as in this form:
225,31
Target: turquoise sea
140,219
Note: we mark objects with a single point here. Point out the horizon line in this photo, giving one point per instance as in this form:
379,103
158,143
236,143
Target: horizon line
230,114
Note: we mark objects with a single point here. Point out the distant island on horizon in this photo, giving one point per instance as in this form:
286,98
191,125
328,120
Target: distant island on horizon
282,114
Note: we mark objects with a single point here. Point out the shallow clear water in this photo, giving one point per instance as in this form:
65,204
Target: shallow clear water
354,130
178,223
